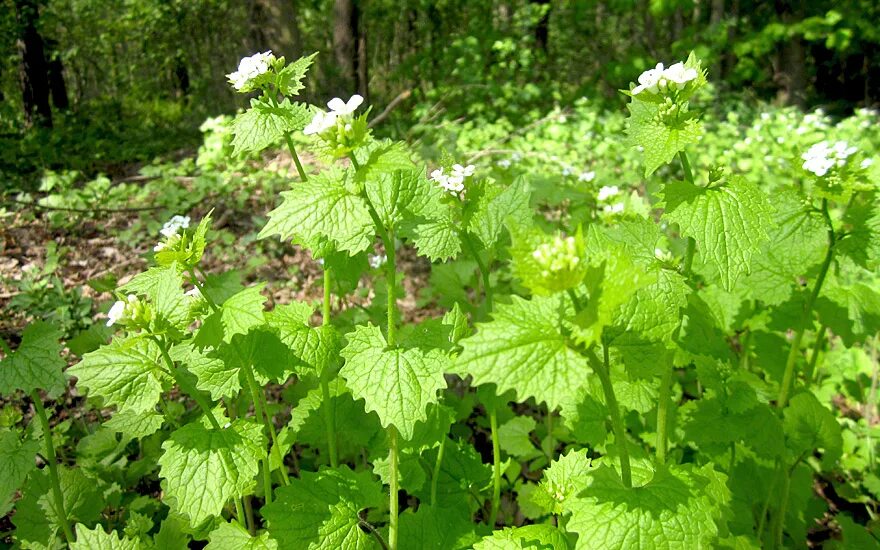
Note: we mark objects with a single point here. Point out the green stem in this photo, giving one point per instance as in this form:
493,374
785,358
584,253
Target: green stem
239,513
330,416
744,352
481,266
783,505
496,468
391,276
329,422
814,357
436,476
762,522
806,315
258,410
299,166
52,462
249,515
663,401
691,243
326,309
393,504
603,370
282,471
686,167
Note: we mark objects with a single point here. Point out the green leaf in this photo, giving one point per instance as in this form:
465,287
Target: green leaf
498,207
810,426
135,425
563,481
461,471
237,315
213,375
203,468
585,417
437,239
398,195
529,537
323,207
398,384
660,140
513,436
128,373
524,349
263,125
729,222
36,364
36,521
16,462
92,539
681,507
232,536
383,157
315,350
797,244
290,77
433,528
163,287
321,510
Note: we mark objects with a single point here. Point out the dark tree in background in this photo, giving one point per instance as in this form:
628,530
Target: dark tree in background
33,69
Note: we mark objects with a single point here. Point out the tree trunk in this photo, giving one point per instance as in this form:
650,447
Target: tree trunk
542,29
55,74
33,71
274,27
363,77
716,17
345,44
791,72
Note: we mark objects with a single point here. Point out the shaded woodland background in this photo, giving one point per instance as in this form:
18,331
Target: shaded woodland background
97,84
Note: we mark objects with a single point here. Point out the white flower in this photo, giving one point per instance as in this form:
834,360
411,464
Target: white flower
194,292
867,163
607,192
453,183
587,176
677,74
174,225
516,157
613,208
342,108
320,123
504,163
116,312
464,171
780,140
250,68
822,157
120,310
649,80
378,260
567,170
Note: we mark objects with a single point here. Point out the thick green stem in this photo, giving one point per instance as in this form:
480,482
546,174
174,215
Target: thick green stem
663,404
249,515
745,351
282,471
779,524
691,243
299,166
326,308
436,476
603,370
806,316
686,167
481,266
391,285
762,522
392,499
814,357
496,468
329,422
330,413
258,410
52,463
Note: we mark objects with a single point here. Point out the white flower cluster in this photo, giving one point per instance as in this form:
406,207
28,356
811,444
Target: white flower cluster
607,192
250,68
171,232
557,255
378,260
454,183
657,79
120,310
339,109
587,176
822,157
